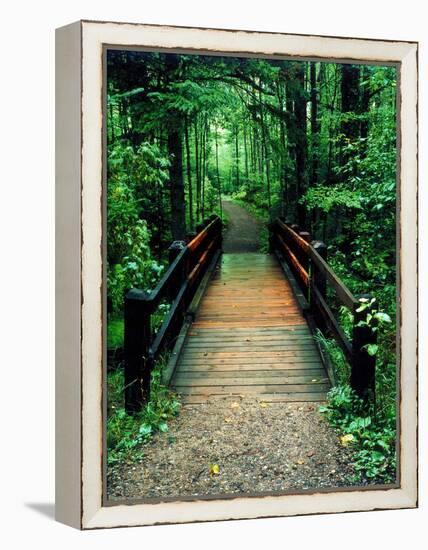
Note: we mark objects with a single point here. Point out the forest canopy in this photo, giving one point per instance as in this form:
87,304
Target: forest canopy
314,142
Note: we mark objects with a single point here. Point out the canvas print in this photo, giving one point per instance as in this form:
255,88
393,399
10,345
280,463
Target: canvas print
251,283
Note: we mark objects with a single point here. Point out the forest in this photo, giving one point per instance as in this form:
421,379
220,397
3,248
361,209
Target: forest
312,142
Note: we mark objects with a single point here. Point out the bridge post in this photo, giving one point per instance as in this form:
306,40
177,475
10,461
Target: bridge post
174,250
271,240
136,349
304,259
318,278
363,364
190,236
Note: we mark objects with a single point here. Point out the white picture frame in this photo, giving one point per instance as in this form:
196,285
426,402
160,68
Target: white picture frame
79,272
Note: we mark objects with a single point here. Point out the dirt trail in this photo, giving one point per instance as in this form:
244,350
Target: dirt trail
259,447
243,231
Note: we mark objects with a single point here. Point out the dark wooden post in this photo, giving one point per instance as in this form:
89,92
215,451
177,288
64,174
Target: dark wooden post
190,236
180,274
303,258
136,349
319,281
318,278
305,235
271,240
363,365
174,250
220,231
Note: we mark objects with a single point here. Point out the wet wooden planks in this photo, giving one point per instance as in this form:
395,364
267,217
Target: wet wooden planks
250,338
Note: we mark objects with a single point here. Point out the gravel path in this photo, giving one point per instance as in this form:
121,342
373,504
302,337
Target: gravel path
243,231
258,447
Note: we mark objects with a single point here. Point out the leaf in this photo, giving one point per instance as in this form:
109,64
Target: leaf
228,420
383,317
234,405
372,349
214,469
346,439
163,427
263,404
300,462
145,429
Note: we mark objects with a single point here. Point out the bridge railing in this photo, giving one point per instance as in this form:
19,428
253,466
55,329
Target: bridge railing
142,345
307,261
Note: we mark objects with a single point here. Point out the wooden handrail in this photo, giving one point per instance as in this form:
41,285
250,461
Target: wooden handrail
178,284
340,288
313,274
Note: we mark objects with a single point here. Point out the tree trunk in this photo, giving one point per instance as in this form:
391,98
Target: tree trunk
189,175
350,88
178,213
203,166
246,154
198,179
301,143
364,102
237,182
314,123
218,174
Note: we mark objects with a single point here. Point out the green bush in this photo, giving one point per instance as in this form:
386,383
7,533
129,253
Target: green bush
135,178
126,434
372,440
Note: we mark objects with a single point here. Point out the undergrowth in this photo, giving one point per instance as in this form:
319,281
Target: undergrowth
126,434
369,430
371,439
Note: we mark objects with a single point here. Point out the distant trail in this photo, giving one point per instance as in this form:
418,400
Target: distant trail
243,231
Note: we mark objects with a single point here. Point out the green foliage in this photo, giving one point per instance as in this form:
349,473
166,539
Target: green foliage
327,197
332,350
372,442
129,251
126,434
115,330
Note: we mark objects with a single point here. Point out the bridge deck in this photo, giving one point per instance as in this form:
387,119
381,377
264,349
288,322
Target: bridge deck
250,338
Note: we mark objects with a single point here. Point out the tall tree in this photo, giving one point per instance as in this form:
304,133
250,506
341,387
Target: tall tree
175,152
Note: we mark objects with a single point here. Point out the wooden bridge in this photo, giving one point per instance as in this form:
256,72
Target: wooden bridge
244,324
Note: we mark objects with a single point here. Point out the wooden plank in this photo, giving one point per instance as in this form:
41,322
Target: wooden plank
213,343
257,330
250,337
189,381
246,365
285,373
254,389
247,354
247,348
302,337
252,323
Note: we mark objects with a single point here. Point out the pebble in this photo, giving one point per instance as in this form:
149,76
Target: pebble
256,455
